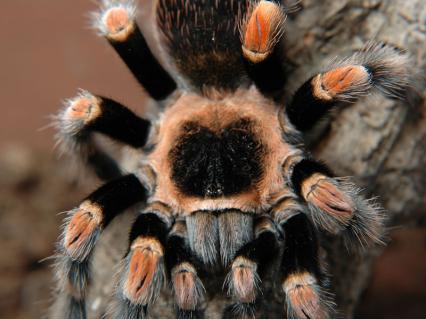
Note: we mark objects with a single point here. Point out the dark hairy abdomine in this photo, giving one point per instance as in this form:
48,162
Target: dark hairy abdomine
203,38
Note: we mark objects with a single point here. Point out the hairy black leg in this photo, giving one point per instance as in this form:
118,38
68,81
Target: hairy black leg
116,22
182,268
376,66
86,114
142,274
335,204
244,278
301,269
302,277
81,232
261,34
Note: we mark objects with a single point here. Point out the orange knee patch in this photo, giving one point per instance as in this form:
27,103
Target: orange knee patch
262,31
303,297
81,227
85,107
321,192
185,287
244,280
143,266
339,80
118,23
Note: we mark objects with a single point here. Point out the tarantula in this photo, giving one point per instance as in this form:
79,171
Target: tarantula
225,181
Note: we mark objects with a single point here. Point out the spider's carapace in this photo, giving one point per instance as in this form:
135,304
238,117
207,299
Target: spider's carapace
220,152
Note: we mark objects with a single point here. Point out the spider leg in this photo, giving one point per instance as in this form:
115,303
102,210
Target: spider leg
187,287
335,204
143,271
81,231
376,66
86,114
116,22
302,279
261,34
249,264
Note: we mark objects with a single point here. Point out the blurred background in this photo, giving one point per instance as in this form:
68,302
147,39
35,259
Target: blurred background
47,53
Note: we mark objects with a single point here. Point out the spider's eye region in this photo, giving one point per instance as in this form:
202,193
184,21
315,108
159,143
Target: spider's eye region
213,164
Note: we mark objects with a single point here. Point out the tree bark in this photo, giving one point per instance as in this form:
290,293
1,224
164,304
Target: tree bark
380,142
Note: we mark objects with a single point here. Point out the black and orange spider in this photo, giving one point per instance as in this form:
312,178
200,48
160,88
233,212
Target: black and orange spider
226,185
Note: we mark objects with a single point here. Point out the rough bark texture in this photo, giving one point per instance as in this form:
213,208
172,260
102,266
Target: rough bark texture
380,142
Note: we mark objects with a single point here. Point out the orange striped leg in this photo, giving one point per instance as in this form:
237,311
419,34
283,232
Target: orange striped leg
376,66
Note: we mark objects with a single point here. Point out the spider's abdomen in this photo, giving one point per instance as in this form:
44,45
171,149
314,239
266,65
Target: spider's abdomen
207,163
204,41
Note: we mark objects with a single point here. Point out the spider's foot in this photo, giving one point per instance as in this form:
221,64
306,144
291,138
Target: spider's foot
304,297
145,271
79,112
82,231
116,22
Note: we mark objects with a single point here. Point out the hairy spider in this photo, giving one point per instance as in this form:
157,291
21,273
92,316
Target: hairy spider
226,182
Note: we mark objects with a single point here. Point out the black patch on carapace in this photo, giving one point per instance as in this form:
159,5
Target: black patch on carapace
209,164
138,57
204,40
305,110
306,168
